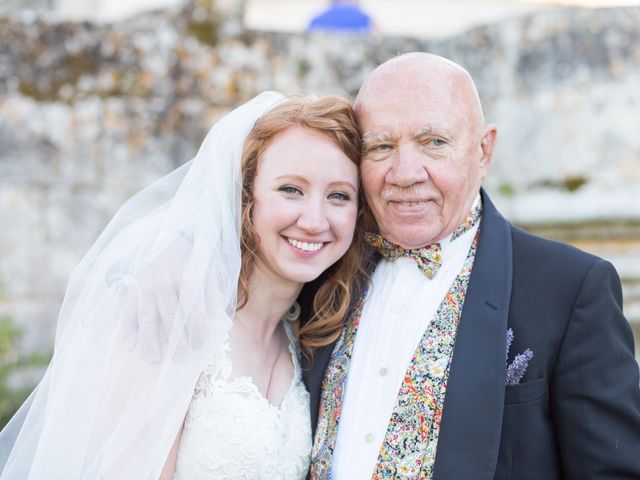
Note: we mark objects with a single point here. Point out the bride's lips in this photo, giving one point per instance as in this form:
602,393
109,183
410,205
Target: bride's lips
304,247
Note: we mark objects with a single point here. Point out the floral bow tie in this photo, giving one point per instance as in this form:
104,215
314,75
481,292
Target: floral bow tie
429,258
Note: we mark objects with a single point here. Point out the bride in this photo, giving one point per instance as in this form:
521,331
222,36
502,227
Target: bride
177,351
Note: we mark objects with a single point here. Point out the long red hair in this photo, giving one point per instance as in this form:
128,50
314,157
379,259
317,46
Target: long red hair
333,117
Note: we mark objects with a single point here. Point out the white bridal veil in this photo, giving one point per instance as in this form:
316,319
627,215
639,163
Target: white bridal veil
118,386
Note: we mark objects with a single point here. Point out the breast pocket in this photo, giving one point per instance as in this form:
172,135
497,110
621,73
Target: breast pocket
526,392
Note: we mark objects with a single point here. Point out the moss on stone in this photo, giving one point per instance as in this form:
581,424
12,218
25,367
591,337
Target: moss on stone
204,22
206,32
572,184
69,71
304,66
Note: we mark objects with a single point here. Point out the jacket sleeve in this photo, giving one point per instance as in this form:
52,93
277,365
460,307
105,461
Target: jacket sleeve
595,392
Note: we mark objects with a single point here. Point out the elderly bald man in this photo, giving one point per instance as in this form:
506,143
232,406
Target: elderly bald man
478,351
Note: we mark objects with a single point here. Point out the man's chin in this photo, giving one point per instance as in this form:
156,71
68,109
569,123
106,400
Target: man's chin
411,238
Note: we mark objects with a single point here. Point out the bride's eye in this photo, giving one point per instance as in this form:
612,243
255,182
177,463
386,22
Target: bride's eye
290,189
340,196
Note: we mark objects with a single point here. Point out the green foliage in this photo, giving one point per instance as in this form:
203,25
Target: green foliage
506,189
11,362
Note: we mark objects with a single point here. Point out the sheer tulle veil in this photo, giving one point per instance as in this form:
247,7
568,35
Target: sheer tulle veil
119,383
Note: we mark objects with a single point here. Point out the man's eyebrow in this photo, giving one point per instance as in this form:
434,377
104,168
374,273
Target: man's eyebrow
432,130
369,137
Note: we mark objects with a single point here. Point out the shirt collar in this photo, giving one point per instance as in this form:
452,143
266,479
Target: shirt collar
470,221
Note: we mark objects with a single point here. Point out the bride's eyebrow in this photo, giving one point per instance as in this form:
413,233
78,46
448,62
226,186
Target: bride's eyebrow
291,177
343,183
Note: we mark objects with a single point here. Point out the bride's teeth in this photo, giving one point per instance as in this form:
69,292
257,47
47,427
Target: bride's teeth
307,247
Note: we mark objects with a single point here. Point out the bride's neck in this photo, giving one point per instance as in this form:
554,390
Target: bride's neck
268,301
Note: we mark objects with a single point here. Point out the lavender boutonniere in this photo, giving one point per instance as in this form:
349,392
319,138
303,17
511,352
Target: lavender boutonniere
517,368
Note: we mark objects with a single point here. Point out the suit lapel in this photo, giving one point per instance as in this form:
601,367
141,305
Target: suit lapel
313,373
472,417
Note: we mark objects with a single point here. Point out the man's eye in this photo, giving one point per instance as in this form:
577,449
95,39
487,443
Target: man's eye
437,142
378,149
383,147
290,190
340,196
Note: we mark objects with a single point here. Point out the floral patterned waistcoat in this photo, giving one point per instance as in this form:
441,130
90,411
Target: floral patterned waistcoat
409,447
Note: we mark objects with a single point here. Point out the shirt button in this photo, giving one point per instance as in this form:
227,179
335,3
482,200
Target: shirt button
383,371
398,307
368,437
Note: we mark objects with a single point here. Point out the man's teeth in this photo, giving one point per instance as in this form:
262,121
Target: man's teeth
411,204
307,247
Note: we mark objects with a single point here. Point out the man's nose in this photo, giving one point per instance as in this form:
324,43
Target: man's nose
407,167
313,217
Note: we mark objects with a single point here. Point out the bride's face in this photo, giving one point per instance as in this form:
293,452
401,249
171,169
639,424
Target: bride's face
306,204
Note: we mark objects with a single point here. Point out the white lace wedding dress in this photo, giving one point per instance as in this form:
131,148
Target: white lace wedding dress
232,431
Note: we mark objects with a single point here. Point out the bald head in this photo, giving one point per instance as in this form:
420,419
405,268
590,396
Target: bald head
418,74
425,147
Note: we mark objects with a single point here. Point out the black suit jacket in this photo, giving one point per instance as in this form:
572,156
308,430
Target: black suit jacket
576,412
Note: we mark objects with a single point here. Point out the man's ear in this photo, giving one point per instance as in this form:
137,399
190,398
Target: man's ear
487,144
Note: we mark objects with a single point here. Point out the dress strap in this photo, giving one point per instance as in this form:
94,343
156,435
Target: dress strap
294,348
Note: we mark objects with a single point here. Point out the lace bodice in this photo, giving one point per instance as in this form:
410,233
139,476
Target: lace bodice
232,431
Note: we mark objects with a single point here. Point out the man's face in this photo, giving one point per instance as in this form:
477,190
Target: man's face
423,158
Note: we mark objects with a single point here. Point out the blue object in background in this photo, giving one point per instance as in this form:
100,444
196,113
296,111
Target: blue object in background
342,16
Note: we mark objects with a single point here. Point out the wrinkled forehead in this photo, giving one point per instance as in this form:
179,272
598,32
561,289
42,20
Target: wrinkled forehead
407,106
422,97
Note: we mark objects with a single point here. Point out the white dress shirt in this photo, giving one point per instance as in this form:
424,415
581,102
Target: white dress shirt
398,309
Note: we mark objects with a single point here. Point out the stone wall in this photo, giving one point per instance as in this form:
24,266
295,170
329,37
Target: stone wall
91,113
